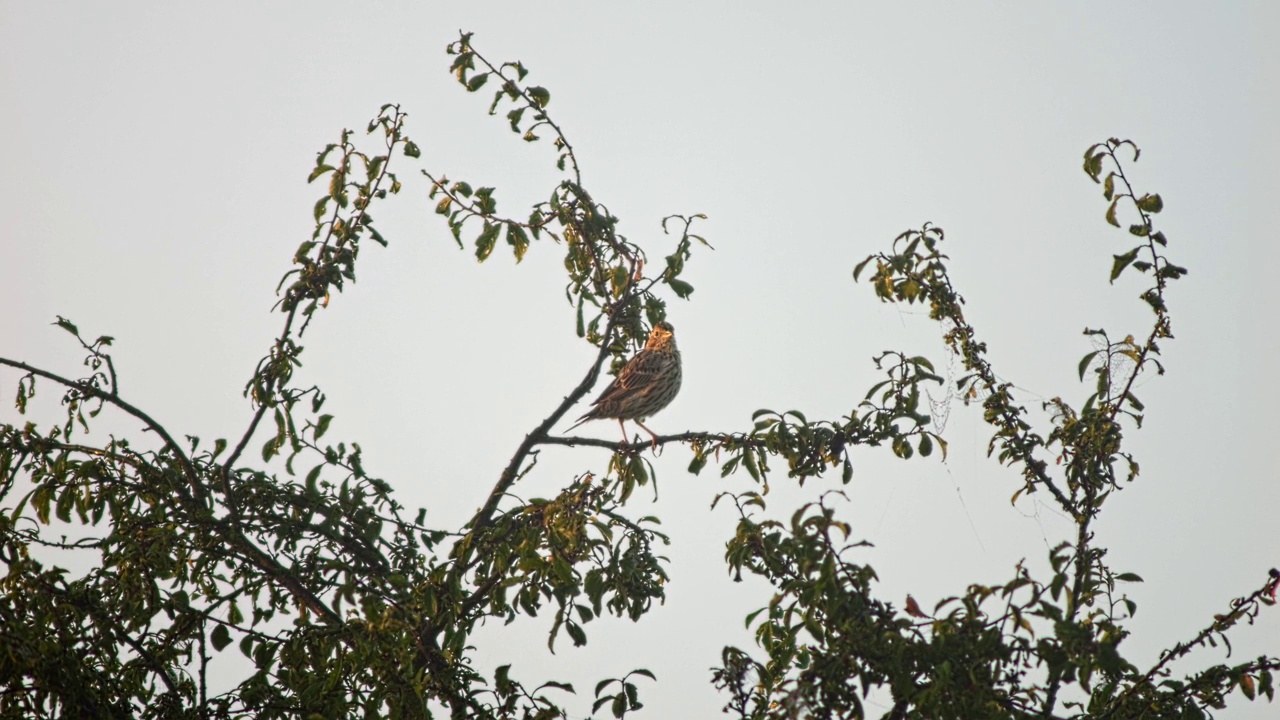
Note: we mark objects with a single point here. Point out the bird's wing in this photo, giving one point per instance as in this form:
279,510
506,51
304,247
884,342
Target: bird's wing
639,372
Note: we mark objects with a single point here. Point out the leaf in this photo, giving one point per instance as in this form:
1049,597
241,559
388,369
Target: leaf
1084,363
487,239
1111,213
699,461
320,170
411,149
1090,161
269,449
220,637
67,325
541,96
1129,577
322,425
514,117
518,240
1121,262
576,632
1150,203
681,288
318,210
857,269
477,81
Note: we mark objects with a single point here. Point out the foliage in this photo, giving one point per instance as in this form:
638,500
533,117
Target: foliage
348,605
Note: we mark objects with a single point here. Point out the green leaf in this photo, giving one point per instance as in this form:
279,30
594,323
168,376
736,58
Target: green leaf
1129,577
411,149
926,446
220,637
541,96
322,425
488,238
477,81
320,170
1090,160
318,211
67,325
1084,363
514,117
567,687
518,240
857,270
1121,262
1111,213
681,288
1150,203
66,499
313,476
575,632
699,461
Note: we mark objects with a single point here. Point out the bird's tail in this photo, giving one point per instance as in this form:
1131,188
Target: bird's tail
581,420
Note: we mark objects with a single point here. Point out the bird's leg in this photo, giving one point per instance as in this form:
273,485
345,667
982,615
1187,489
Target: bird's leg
623,428
654,444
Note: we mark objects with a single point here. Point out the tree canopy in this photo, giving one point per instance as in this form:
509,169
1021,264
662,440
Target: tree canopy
275,543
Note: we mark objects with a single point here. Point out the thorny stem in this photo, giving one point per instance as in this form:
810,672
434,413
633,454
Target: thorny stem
464,44
1220,625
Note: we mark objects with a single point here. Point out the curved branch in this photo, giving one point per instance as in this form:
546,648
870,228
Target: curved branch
188,467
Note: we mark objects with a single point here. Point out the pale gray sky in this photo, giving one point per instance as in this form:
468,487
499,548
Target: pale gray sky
153,189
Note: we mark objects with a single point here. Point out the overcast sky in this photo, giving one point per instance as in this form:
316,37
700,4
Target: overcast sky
154,189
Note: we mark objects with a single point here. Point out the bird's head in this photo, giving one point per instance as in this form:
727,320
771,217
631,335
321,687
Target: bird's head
662,337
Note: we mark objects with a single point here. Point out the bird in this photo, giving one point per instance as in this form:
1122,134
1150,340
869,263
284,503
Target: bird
646,384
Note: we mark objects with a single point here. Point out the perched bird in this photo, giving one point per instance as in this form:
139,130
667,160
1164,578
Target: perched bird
646,384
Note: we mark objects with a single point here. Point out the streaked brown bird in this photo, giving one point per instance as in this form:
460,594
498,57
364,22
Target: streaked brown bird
646,384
